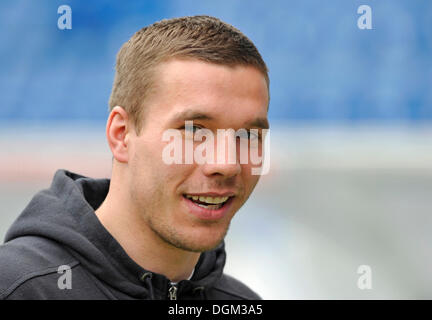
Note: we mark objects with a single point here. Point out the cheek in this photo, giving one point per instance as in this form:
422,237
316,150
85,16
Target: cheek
152,175
249,179
177,178
143,172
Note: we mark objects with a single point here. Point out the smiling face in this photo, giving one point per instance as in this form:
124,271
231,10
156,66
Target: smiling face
171,198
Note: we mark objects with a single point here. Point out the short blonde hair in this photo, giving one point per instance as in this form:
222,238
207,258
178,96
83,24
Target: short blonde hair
200,37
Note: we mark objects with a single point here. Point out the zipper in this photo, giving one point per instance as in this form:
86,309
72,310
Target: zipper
172,292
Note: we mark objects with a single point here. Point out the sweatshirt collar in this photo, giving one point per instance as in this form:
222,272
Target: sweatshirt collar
68,217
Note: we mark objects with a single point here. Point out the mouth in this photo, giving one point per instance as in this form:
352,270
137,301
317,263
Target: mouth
208,202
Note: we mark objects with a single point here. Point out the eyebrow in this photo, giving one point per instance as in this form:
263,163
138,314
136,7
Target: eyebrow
191,114
261,123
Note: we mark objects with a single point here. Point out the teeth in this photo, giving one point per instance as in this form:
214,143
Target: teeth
210,200
213,200
210,206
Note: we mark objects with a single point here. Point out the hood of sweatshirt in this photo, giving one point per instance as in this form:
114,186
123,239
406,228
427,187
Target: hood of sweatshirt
65,213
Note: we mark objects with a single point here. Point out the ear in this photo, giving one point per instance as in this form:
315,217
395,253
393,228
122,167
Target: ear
117,132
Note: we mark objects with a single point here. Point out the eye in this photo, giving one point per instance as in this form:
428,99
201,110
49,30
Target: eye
192,129
251,134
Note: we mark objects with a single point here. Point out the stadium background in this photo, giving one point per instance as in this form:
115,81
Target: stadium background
351,140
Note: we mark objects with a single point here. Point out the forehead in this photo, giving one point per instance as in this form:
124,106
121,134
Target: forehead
223,93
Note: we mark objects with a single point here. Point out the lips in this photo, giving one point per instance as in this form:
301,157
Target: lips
207,202
208,207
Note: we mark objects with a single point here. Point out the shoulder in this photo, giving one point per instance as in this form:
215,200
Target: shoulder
26,259
229,288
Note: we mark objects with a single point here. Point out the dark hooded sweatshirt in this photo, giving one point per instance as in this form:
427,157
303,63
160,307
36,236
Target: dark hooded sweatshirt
58,249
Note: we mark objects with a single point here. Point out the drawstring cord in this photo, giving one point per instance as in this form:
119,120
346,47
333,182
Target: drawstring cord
202,292
146,278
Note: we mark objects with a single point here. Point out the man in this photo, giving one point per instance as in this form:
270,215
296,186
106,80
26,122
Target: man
155,230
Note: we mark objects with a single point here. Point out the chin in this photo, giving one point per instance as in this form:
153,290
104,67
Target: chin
200,246
195,237
199,241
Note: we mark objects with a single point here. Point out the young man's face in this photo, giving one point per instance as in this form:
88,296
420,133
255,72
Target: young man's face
214,97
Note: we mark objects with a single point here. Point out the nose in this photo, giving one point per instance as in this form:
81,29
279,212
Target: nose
222,169
226,162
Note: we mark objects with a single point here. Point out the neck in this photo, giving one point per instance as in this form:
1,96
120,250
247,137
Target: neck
141,243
